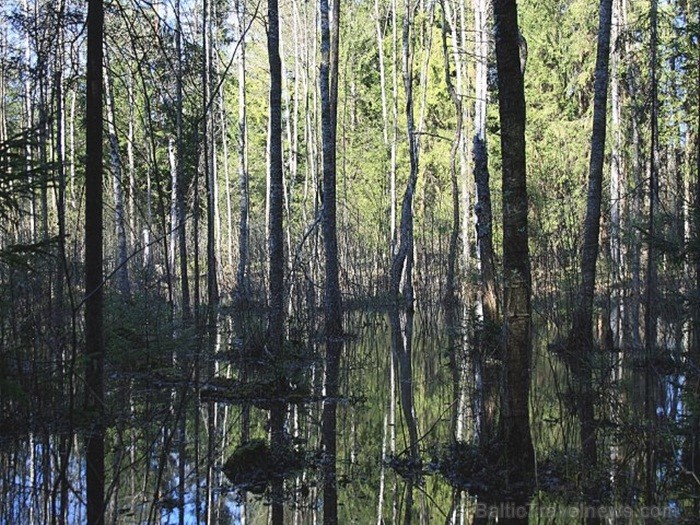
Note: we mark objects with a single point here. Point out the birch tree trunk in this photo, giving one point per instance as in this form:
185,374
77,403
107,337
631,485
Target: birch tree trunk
489,301
487,361
615,179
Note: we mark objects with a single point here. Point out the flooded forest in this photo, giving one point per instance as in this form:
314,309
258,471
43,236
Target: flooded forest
367,262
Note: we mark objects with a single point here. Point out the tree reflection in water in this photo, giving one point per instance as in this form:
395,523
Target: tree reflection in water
169,437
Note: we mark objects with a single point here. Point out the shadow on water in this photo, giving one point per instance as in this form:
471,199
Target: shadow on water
187,430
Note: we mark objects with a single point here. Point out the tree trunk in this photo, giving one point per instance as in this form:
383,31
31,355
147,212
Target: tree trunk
332,305
402,266
514,422
395,134
275,329
487,362
615,181
243,236
181,182
451,315
208,160
94,329
651,297
489,300
581,343
173,202
117,180
695,356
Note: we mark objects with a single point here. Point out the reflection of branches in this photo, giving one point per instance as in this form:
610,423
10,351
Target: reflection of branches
432,427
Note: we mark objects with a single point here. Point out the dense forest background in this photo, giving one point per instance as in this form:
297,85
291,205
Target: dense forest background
230,319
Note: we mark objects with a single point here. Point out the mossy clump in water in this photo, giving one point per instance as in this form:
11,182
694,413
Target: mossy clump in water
474,468
570,478
254,464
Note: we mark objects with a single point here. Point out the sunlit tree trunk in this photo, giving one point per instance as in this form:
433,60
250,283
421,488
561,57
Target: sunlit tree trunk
117,185
243,237
615,179
131,163
224,128
489,302
517,356
487,360
395,122
60,162
172,160
3,87
94,330
28,107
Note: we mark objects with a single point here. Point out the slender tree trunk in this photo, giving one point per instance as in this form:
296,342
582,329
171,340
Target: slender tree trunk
117,180
28,107
401,324
517,357
208,160
402,266
581,343
173,201
651,296
131,162
388,144
275,329
395,122
489,301
60,161
332,305
487,360
3,88
451,316
223,122
615,181
695,359
94,329
243,237
181,182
